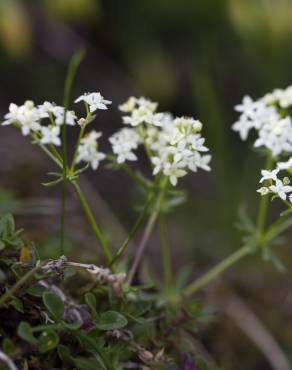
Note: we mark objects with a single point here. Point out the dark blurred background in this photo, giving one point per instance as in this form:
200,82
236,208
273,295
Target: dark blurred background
198,58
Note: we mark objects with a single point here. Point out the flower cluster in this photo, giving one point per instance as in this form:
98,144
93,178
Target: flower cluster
88,150
274,184
268,116
31,118
174,145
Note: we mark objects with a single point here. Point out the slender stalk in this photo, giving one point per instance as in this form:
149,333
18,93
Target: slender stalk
217,270
148,230
18,284
264,201
80,136
74,63
135,228
51,155
90,218
240,253
166,259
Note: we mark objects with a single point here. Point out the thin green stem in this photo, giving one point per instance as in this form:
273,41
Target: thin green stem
80,136
135,228
217,270
166,259
74,63
240,253
148,230
51,155
17,285
90,218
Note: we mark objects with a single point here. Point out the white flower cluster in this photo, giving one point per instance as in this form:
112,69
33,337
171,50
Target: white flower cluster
123,143
30,119
267,117
174,145
275,185
88,150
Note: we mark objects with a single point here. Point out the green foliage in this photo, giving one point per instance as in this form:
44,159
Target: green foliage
98,329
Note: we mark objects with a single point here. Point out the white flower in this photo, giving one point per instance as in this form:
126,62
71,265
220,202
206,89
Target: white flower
88,150
123,143
27,116
50,135
59,116
13,115
263,190
243,126
129,105
95,101
45,108
173,171
147,104
280,189
269,175
155,119
285,165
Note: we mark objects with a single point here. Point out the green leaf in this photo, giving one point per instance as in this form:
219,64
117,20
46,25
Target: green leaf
73,326
54,305
7,225
36,290
47,341
17,304
8,345
111,320
83,363
64,354
24,331
91,302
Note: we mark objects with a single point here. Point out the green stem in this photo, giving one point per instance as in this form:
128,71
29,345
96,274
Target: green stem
80,136
148,230
17,285
74,63
240,253
264,201
166,259
135,228
217,270
51,155
90,218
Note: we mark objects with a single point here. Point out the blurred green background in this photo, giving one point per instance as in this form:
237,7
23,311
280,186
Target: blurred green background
196,57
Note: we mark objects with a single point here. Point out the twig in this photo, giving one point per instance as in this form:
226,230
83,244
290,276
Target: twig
256,331
7,361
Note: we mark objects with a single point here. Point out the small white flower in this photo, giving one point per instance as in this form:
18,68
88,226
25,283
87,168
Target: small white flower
88,150
45,108
59,116
280,189
285,165
129,105
269,175
263,190
123,143
95,101
13,115
173,171
50,135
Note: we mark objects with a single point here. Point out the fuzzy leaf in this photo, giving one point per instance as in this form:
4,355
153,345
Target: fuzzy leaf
24,332
47,341
111,320
54,305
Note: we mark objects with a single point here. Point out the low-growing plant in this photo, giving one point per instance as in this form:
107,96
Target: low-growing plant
62,314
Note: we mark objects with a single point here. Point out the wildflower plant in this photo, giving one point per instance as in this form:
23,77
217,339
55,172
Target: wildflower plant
113,324
173,148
